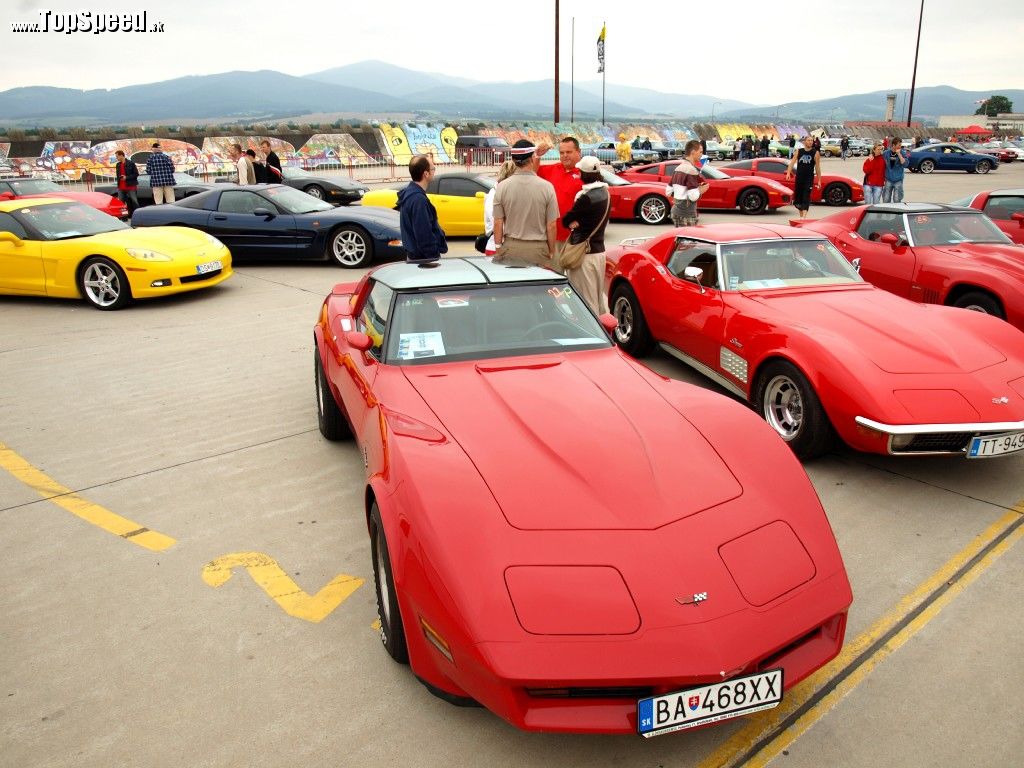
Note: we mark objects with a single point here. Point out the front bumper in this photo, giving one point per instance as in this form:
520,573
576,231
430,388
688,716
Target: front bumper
935,439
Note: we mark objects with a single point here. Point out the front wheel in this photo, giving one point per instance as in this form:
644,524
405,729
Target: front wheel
836,194
926,166
314,190
631,332
103,284
652,209
350,247
753,201
329,417
392,632
786,400
976,301
983,166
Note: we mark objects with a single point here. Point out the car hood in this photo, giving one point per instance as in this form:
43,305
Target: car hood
576,442
1008,258
164,239
897,335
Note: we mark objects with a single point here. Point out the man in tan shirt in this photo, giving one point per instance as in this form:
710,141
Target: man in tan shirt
525,213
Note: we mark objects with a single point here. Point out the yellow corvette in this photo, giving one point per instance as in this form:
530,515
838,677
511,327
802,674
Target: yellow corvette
64,249
458,198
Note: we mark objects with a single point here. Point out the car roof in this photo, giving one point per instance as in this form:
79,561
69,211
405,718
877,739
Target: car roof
1006,193
32,202
917,208
472,271
731,233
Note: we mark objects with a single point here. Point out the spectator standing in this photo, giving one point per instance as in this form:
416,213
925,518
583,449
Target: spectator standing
874,175
564,176
765,143
421,233
587,218
792,144
161,175
275,174
623,150
259,170
525,213
686,187
737,148
127,174
807,162
636,142
241,166
844,147
646,143
507,169
817,144
896,160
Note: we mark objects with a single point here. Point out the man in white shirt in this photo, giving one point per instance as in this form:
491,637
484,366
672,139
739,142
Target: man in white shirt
245,175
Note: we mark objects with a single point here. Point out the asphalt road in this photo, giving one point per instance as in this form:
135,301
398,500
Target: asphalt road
147,455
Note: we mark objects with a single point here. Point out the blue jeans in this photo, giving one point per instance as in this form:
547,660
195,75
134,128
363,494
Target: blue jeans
872,194
892,192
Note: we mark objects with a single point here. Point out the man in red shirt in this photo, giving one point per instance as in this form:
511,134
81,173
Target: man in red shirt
564,176
127,173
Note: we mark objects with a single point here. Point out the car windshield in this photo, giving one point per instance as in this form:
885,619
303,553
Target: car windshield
34,187
295,173
783,264
495,321
63,221
712,173
612,180
294,201
953,228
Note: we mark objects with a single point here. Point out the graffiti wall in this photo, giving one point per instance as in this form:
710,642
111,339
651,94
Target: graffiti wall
331,148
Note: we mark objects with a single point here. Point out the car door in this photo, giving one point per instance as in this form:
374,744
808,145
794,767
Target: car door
955,158
460,205
356,371
246,233
718,194
1000,208
684,314
21,263
774,170
878,263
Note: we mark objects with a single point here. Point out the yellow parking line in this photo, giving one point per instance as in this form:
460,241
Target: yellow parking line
67,499
760,726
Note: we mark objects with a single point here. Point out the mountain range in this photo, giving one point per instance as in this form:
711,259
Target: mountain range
377,89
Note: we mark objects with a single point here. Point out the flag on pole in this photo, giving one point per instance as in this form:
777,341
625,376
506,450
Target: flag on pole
600,49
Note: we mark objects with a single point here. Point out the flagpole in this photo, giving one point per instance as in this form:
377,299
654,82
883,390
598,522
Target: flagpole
556,63
572,74
604,74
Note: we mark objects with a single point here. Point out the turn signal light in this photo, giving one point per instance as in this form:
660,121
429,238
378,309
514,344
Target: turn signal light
436,640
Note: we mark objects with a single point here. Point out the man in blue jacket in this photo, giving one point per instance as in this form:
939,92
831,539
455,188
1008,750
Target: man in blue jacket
896,159
421,234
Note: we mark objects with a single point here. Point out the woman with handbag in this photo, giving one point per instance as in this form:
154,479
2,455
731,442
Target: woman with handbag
582,256
507,169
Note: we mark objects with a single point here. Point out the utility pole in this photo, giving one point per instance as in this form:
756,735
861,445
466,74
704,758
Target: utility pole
572,74
913,79
556,62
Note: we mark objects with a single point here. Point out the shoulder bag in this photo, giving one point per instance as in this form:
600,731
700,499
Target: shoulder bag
570,254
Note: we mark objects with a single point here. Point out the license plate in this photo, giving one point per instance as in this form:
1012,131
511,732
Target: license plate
210,266
709,703
996,445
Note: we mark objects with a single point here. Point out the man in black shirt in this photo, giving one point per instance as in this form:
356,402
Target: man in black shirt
808,175
273,163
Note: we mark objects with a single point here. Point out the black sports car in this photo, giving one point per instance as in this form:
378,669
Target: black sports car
333,189
277,222
184,186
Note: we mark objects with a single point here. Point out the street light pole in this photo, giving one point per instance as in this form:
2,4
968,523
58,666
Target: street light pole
913,79
716,104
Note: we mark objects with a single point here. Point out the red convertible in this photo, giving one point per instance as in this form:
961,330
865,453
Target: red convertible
18,189
558,533
750,194
833,190
1004,206
936,254
778,317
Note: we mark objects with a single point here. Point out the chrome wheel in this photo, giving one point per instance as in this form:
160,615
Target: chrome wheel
653,210
382,583
314,191
104,285
623,311
351,247
926,166
783,407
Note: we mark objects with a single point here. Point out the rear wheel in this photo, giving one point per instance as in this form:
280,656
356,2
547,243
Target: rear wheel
983,166
652,209
926,166
329,417
631,332
753,201
786,400
103,284
976,301
392,632
836,194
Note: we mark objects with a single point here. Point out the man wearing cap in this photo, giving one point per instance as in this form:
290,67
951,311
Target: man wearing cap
161,175
422,236
525,213
564,176
587,220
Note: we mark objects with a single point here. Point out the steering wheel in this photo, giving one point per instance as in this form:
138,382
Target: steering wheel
552,325
806,265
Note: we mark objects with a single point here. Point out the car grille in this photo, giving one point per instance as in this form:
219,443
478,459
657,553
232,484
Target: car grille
938,442
200,278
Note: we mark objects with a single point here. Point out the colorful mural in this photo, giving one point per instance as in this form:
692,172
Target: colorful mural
185,155
428,140
327,148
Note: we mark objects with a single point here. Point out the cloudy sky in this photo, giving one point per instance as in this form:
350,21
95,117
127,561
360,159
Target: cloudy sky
744,49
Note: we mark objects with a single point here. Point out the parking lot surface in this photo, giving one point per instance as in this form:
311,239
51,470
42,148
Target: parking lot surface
188,580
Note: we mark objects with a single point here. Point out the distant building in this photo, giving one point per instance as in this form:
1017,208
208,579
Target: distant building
1005,122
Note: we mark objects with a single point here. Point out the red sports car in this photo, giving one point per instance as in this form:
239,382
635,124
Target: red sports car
834,190
16,189
750,194
777,316
647,202
936,254
557,532
1004,206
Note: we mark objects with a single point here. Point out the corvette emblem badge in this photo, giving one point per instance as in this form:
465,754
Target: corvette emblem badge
1000,400
697,599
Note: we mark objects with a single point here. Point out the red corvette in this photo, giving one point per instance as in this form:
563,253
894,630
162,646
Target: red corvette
1004,206
557,532
750,194
16,189
834,190
647,202
936,254
777,316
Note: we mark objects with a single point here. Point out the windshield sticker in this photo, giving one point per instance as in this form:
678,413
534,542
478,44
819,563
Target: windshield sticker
820,247
570,342
734,281
555,292
412,346
772,283
445,302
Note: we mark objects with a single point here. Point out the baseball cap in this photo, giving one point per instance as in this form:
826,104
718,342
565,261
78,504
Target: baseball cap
589,165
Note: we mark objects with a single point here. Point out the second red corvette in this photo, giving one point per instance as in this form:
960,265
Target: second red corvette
1004,206
17,189
751,194
833,190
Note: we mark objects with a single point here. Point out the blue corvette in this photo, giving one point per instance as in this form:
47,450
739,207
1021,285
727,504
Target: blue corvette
950,157
273,221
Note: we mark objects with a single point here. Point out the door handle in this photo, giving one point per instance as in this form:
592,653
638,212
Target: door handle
220,218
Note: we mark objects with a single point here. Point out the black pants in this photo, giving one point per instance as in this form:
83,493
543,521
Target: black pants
130,198
802,195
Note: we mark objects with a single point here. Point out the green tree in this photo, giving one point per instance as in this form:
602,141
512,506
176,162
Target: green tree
995,105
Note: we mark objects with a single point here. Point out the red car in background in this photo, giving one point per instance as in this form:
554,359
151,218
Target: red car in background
1004,206
834,189
777,316
18,189
935,254
750,194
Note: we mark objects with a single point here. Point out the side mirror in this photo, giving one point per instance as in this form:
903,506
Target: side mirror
608,322
1018,217
893,240
695,274
13,239
264,212
480,195
6,195
358,340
